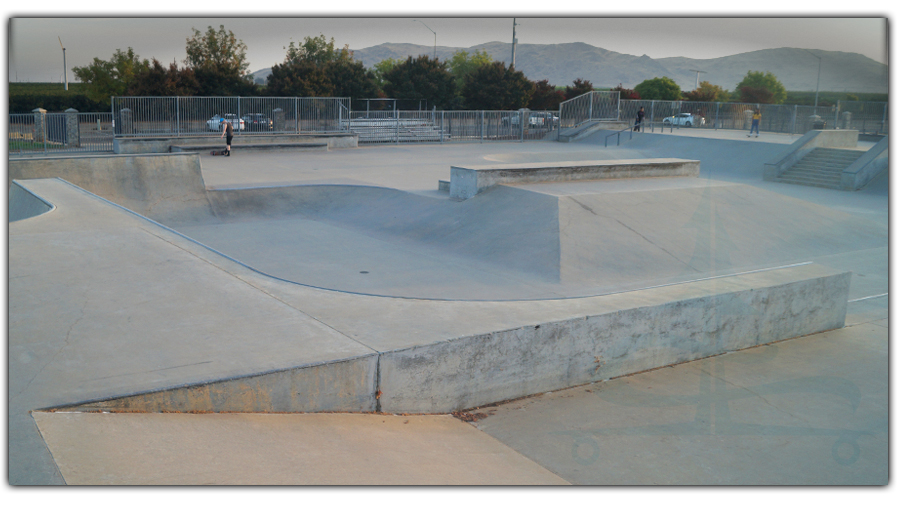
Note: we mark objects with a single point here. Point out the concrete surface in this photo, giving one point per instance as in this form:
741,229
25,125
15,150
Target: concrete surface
48,369
466,182
277,449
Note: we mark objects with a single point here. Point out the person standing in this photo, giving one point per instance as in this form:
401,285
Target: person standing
755,123
227,129
639,119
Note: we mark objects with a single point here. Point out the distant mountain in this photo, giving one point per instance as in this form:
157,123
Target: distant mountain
563,63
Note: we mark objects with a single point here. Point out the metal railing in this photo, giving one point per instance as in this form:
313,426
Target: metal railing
197,116
589,107
46,133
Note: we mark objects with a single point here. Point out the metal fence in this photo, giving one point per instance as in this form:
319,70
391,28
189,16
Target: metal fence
588,107
197,116
381,127
867,117
44,133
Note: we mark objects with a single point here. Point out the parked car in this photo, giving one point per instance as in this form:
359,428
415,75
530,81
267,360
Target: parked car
215,123
535,119
685,120
258,122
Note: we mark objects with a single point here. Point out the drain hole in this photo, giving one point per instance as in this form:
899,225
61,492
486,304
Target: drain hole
363,271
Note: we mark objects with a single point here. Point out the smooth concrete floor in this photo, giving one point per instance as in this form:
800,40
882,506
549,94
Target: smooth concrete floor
832,420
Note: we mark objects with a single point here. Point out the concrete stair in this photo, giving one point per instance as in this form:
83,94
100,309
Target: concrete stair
822,167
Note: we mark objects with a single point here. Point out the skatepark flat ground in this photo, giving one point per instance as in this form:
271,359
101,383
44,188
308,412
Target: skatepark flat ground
808,411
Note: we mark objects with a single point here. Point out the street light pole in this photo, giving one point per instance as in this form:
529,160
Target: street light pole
817,75
435,36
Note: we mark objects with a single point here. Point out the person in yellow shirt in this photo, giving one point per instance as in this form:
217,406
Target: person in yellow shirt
755,125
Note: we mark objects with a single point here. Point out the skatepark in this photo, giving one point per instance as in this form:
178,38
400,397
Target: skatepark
324,308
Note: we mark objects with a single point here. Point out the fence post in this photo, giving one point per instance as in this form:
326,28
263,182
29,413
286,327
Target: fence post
522,119
177,117
794,121
442,126
837,109
883,118
482,126
39,130
73,137
591,106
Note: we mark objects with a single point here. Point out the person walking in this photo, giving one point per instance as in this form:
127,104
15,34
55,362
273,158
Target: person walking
755,123
227,129
639,119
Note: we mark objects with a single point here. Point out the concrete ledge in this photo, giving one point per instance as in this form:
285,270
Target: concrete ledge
265,147
709,318
466,182
798,149
162,144
866,167
584,130
336,386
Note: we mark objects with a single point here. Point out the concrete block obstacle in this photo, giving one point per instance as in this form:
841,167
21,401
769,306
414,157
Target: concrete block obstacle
466,182
254,147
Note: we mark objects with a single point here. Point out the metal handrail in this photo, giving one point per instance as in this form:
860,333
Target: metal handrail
618,134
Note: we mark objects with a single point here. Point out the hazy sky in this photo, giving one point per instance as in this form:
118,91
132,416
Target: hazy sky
35,54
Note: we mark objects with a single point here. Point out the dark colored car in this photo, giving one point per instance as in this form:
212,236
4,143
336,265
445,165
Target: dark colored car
256,122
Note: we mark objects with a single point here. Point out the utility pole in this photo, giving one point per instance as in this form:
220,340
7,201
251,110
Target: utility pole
514,45
65,73
819,75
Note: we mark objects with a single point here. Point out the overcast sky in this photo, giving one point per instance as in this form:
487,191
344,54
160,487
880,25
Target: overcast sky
35,54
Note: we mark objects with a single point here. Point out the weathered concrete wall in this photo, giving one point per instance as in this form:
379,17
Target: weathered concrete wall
337,386
866,167
466,182
164,144
745,311
156,185
798,149
23,204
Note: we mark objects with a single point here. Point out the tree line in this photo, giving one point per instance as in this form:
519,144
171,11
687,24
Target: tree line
216,65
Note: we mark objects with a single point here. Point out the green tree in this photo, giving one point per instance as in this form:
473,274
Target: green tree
317,50
659,89
299,79
545,97
421,78
497,86
764,87
350,79
219,61
579,87
103,79
157,80
462,64
382,67
707,92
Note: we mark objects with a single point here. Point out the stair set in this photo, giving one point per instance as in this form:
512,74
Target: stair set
822,167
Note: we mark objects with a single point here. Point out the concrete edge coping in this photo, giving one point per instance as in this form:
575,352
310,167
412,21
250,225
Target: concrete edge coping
529,166
107,155
249,146
244,134
870,155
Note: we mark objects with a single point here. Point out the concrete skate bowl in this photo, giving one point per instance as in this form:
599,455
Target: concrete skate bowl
527,242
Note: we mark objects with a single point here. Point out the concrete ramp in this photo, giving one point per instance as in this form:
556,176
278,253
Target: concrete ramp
24,204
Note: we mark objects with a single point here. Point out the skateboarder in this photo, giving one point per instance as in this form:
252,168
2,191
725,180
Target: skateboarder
229,130
639,119
755,124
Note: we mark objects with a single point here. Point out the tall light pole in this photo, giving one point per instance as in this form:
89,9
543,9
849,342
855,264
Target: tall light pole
698,77
66,73
514,45
435,37
817,75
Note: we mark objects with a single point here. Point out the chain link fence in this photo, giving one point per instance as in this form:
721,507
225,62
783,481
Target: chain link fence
589,107
42,133
866,117
198,116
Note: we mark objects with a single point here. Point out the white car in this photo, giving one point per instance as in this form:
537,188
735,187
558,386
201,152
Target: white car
215,123
684,119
